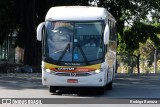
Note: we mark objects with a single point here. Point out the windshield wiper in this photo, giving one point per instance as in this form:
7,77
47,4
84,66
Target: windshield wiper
83,54
65,50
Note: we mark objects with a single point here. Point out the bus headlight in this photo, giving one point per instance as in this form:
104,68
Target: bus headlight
97,71
48,70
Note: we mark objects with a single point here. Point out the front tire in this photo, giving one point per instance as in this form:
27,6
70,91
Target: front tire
109,86
52,89
101,90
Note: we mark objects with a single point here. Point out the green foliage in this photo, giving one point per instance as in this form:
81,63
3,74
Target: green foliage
147,51
139,33
121,44
127,11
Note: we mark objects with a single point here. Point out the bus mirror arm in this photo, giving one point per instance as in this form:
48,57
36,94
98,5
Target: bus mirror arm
106,35
39,31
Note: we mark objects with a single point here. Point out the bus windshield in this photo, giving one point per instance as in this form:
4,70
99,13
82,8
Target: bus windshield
74,41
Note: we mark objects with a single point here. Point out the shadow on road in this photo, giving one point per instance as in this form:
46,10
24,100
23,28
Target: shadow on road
80,92
20,83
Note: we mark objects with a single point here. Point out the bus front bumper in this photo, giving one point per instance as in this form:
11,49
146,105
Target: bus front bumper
95,80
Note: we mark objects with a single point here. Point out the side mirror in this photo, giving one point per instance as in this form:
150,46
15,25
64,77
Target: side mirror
106,34
39,31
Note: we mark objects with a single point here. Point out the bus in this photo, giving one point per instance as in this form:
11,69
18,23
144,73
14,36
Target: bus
78,48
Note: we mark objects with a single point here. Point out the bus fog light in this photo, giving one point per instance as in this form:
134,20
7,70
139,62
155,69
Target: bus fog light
44,79
100,80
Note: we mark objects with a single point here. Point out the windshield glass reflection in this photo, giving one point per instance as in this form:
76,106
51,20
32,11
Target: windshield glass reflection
74,42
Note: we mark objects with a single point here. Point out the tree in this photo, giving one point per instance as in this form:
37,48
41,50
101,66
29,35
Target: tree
6,19
29,31
128,11
140,33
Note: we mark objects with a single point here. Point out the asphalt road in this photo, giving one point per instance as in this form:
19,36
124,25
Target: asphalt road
19,86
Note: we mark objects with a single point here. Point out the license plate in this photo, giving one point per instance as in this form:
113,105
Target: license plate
72,81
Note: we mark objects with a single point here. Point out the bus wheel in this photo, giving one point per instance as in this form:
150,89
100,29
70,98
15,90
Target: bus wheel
101,90
52,89
109,86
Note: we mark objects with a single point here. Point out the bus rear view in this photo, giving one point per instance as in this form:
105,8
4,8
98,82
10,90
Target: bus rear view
77,48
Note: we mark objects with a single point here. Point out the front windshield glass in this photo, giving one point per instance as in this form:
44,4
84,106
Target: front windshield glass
88,38
60,39
74,42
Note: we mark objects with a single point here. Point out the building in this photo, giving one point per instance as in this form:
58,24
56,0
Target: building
9,53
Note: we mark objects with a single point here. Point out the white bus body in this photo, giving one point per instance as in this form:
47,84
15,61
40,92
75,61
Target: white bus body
69,59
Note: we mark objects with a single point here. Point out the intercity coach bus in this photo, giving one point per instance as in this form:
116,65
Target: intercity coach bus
78,48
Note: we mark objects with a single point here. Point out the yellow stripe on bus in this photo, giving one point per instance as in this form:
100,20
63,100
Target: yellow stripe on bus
90,67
